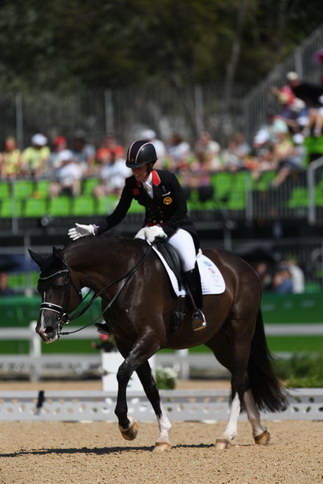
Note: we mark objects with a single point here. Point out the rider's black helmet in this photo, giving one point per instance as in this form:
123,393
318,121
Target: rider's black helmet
141,153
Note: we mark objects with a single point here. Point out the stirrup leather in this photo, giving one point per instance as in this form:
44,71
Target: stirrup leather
198,320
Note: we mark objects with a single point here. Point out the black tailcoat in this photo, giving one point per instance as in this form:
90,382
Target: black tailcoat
167,207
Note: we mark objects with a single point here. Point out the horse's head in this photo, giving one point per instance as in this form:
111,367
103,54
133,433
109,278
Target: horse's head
60,294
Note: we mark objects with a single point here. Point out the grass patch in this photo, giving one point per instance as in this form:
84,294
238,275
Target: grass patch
295,344
301,370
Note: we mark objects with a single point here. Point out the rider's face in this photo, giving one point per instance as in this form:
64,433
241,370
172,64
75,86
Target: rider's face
140,173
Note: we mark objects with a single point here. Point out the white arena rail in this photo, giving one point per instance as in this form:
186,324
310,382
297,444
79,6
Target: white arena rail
36,364
181,405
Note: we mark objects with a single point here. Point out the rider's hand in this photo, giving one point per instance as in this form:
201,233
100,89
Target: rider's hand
141,234
151,233
81,231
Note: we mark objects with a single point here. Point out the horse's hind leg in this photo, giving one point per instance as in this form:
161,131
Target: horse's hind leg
232,348
151,390
259,432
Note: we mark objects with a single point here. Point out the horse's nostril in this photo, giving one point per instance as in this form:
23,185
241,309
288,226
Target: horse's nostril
49,329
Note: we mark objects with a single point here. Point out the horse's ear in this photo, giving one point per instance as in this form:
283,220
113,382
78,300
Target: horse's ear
57,253
38,258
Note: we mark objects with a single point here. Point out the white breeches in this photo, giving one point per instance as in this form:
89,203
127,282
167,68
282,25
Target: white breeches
183,242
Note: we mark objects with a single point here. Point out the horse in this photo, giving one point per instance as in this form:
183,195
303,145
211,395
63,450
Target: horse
138,304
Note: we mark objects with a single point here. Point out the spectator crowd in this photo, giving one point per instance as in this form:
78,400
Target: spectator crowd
278,146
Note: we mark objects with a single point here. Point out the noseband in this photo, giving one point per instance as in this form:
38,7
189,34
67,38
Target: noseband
56,308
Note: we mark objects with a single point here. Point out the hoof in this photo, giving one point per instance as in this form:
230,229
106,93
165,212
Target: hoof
162,447
131,432
222,444
262,439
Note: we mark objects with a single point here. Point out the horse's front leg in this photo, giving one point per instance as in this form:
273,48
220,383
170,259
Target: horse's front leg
151,390
143,349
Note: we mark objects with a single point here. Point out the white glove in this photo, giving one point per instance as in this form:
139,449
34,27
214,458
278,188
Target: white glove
141,234
81,231
151,233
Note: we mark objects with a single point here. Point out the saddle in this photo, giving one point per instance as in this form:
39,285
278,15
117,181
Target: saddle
172,258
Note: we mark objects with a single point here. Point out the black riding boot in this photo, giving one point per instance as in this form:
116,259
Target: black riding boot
193,282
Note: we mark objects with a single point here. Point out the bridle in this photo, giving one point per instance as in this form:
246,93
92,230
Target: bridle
63,313
56,308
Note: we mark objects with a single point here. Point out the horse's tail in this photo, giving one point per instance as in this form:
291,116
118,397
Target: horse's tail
267,391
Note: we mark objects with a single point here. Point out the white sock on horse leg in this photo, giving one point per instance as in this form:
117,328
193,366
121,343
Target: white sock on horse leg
253,413
164,427
231,429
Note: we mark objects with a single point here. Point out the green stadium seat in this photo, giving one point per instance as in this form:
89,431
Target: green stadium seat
193,203
135,207
35,207
242,181
264,181
313,146
299,198
59,206
83,205
106,204
23,189
42,189
319,196
222,183
10,208
17,280
237,201
4,190
88,185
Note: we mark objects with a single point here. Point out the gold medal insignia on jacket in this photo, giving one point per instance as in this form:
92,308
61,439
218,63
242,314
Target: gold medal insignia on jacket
168,200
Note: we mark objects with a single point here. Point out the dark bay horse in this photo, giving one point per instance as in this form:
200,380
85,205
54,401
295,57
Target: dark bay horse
127,274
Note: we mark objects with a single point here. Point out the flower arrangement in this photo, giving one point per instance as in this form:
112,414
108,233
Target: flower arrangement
166,378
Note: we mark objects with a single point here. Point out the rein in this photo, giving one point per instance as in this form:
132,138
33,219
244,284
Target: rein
126,277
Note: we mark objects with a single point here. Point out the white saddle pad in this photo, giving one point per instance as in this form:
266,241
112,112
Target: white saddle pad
211,278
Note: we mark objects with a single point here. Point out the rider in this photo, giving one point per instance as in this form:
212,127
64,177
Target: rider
166,216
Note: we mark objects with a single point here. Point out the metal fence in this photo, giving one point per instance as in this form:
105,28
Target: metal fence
125,112
302,60
128,111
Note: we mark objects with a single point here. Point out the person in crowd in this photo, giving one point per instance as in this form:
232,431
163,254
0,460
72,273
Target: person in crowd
166,216
159,145
264,275
298,278
5,289
315,121
266,135
10,159
296,115
307,91
282,280
35,157
289,156
179,152
53,163
68,175
113,174
236,155
83,153
285,94
105,343
208,152
108,145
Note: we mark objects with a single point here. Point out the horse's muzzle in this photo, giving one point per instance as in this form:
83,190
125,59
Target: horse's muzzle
48,334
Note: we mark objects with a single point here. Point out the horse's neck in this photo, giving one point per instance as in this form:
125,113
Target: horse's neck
95,264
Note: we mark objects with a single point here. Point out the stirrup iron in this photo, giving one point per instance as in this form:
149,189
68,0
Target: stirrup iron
198,320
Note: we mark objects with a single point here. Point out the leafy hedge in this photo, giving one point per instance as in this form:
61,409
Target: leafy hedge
301,370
